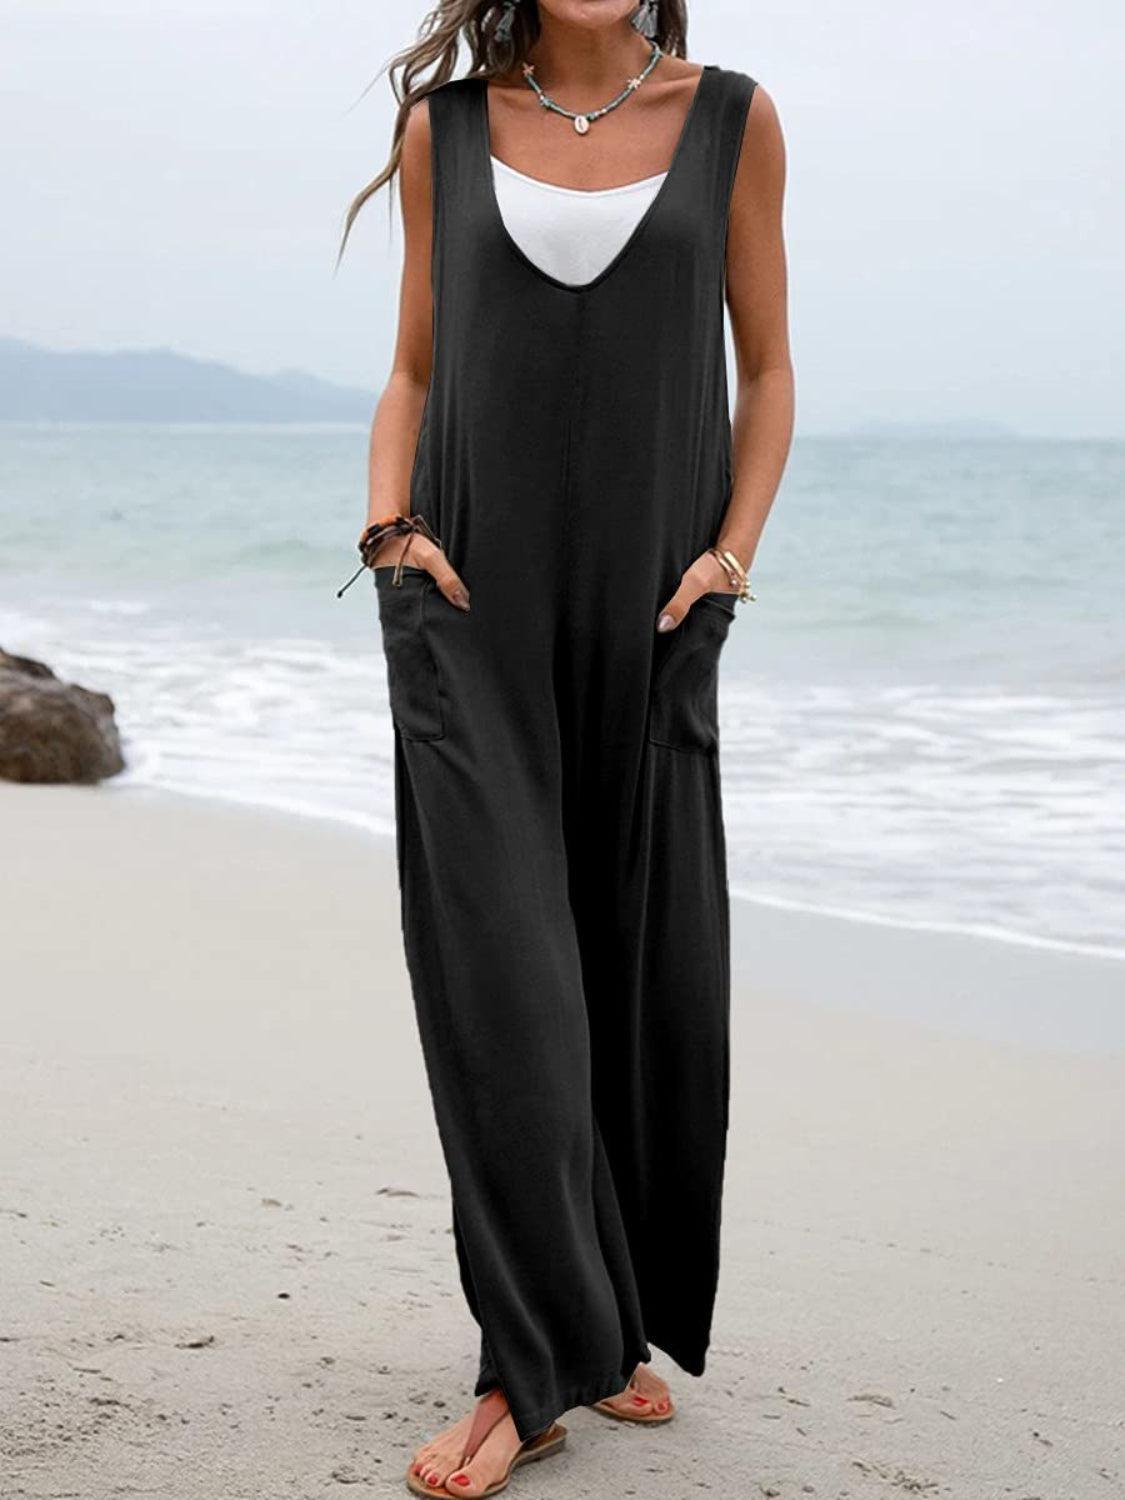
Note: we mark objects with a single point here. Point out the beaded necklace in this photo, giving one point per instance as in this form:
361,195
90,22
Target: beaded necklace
583,120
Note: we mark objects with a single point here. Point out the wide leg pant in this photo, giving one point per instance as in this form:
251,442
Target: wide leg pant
564,908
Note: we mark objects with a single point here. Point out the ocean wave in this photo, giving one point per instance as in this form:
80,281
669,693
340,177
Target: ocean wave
987,810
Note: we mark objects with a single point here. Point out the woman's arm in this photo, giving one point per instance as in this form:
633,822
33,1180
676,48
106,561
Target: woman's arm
398,416
756,297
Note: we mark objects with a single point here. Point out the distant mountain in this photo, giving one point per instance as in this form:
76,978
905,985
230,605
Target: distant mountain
157,385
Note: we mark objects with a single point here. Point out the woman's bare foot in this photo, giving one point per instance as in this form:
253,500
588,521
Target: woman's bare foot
646,1395
438,1462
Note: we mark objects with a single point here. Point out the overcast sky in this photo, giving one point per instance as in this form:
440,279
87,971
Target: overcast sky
174,172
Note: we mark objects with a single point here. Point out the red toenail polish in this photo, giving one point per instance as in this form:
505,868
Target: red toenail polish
460,1479
640,1401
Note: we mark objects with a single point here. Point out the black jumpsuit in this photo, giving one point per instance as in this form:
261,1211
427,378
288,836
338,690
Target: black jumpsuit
560,840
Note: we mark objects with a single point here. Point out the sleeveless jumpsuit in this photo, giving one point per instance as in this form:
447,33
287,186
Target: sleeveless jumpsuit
559,831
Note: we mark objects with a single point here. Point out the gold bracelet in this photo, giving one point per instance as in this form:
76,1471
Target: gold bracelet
732,577
737,576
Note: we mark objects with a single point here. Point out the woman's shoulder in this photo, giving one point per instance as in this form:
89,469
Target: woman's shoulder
446,102
442,96
762,125
452,88
734,80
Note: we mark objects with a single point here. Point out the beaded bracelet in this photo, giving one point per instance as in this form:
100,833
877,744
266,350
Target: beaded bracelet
377,533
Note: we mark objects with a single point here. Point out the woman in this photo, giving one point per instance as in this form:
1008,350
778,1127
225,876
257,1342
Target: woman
575,211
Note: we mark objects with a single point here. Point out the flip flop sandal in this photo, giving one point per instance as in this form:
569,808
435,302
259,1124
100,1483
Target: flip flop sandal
642,1419
491,1408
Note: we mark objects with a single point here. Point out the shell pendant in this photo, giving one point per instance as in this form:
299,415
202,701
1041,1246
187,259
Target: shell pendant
581,124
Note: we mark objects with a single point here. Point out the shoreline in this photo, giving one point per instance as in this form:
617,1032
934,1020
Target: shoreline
902,969
935,926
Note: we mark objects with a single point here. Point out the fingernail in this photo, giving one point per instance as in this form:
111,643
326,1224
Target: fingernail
461,599
665,623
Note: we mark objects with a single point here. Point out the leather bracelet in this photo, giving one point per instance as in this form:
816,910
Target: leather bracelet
377,533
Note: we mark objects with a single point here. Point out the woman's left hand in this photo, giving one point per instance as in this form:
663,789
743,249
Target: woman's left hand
705,576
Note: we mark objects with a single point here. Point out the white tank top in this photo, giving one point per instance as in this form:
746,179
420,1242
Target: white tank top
570,233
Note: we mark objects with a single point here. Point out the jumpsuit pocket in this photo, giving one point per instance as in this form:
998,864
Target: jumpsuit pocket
412,675
684,701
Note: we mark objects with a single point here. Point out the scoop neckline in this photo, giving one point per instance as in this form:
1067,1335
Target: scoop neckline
706,72
573,192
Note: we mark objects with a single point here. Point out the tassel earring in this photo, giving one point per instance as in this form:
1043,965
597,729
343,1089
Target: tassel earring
646,19
503,33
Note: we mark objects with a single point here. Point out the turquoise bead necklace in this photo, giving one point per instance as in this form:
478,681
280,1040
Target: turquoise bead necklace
584,119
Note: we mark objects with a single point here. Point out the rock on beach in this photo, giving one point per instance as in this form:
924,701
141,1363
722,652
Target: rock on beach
54,731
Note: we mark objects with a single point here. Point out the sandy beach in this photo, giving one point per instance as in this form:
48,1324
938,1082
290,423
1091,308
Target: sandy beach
227,1268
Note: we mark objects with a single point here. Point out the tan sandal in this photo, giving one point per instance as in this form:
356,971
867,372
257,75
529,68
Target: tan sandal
492,1408
642,1419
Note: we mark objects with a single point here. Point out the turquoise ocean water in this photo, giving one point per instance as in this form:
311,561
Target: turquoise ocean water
923,718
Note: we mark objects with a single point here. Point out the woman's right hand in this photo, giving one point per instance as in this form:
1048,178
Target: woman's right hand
422,553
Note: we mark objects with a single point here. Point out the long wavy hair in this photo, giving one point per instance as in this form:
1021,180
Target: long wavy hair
432,60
